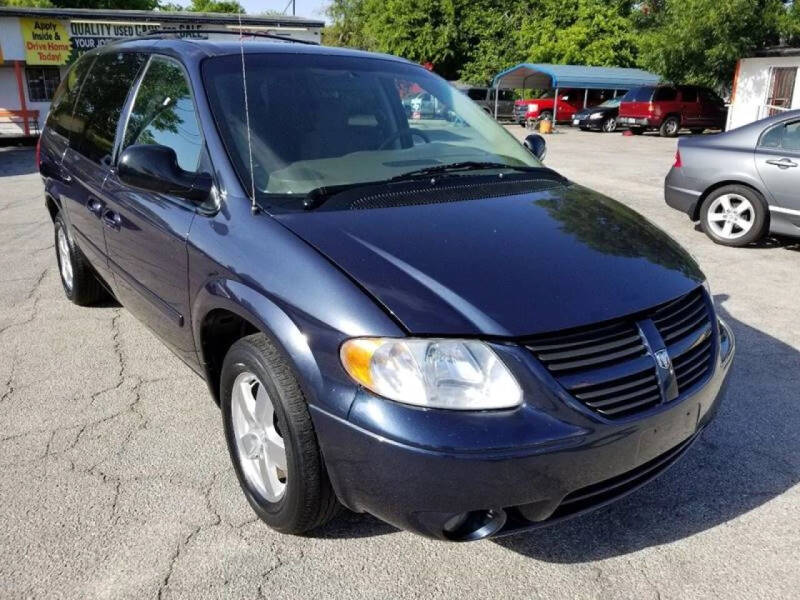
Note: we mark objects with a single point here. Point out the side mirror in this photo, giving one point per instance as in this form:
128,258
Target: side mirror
155,168
536,145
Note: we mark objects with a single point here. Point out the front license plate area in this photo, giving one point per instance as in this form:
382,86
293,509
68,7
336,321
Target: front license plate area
668,432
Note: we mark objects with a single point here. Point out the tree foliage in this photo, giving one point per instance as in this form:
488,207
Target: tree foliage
685,41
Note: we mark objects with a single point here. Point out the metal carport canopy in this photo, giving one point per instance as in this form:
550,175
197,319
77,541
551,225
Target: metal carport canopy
545,76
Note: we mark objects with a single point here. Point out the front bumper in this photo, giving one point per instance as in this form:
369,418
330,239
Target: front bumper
542,462
586,123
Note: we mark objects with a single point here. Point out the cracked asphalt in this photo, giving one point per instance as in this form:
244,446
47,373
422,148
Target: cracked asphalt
115,480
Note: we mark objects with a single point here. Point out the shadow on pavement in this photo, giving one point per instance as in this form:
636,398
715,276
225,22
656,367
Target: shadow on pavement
17,161
747,457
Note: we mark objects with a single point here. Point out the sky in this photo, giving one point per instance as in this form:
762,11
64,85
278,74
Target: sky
305,8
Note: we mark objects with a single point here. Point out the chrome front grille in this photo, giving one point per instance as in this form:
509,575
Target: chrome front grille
610,367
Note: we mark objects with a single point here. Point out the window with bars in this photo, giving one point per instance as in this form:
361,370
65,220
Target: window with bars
781,89
42,83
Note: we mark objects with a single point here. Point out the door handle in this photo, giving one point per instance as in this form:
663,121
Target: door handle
111,219
783,163
94,206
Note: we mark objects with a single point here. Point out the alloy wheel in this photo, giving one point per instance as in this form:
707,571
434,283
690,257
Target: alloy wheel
260,445
731,216
64,262
610,125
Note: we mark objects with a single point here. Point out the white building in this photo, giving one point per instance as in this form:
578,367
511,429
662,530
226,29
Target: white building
764,85
37,45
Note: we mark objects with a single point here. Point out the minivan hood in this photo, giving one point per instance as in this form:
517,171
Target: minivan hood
512,266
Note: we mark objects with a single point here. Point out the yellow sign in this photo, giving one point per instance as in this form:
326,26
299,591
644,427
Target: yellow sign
46,42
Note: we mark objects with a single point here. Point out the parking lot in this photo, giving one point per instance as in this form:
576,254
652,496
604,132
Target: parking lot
116,481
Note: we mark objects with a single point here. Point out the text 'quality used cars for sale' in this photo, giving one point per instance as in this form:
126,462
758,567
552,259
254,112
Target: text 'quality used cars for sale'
408,317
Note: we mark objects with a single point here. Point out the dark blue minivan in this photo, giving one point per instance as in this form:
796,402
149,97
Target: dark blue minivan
398,312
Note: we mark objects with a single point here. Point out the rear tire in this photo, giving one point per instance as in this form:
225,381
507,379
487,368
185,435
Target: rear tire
670,127
290,492
78,278
734,215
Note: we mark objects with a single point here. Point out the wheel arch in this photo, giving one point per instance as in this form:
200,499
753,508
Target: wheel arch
724,183
225,311
52,205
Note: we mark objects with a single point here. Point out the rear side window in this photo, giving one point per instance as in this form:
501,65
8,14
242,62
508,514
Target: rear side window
784,137
640,94
665,94
163,113
689,94
100,103
476,94
60,119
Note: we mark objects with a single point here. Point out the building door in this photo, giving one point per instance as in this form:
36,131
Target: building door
781,89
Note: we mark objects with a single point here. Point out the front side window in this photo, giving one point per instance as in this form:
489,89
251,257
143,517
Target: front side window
42,83
164,113
476,94
99,106
319,121
689,94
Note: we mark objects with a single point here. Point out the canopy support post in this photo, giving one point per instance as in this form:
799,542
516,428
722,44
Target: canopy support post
496,96
585,97
555,109
615,93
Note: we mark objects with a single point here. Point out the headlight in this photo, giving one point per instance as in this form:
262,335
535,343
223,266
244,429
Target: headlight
436,373
533,108
597,115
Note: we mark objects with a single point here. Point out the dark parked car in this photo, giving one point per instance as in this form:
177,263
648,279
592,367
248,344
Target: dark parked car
420,322
602,117
484,97
741,184
668,109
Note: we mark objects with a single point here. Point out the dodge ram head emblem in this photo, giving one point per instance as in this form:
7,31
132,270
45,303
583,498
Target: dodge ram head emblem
662,360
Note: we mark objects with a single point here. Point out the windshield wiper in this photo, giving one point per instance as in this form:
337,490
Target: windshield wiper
318,196
467,165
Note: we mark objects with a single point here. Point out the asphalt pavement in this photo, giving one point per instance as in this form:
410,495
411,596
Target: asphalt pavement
115,480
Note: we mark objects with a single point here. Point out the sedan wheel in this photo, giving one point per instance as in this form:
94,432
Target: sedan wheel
734,216
610,125
64,259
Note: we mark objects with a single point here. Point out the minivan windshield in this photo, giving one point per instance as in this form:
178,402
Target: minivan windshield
640,94
318,121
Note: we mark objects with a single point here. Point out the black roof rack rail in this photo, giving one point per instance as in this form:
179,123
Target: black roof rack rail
234,30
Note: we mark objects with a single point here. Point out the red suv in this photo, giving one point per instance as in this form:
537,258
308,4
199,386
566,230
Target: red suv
670,108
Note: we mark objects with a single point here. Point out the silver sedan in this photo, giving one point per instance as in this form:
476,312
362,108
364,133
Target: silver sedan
743,183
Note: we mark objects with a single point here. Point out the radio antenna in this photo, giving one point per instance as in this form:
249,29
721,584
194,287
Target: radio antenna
253,206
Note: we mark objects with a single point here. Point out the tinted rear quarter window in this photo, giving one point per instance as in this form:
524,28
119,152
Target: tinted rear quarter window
786,137
60,119
100,103
689,94
640,94
665,94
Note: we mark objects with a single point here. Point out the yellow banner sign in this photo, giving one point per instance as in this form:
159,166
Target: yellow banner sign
46,42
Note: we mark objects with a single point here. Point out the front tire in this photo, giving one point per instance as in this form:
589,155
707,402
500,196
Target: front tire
271,439
610,125
734,215
78,279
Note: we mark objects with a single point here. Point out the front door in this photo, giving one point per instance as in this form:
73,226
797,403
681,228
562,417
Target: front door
91,141
147,246
778,162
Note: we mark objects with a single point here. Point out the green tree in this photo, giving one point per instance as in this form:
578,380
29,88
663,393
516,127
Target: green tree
215,6
27,3
579,32
699,41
